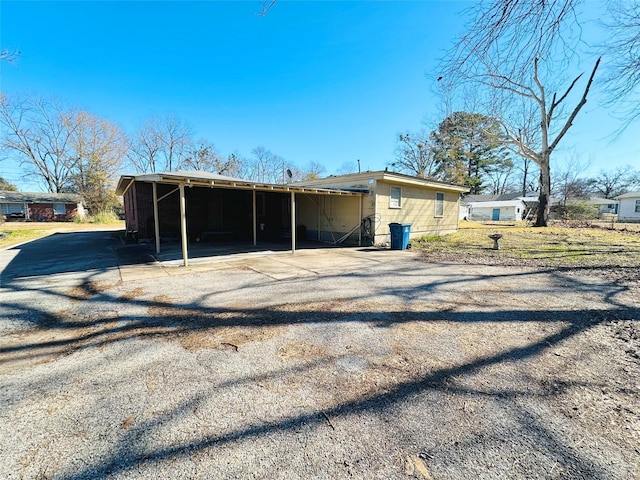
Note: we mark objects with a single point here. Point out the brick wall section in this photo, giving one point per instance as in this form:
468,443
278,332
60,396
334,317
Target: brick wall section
44,212
138,210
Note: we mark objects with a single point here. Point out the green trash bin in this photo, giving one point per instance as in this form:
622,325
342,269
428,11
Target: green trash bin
400,233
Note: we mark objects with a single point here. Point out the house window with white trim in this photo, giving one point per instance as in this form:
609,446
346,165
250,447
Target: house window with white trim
439,204
637,206
395,197
59,209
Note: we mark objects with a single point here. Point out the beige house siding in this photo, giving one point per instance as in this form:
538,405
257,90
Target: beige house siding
328,218
418,207
418,202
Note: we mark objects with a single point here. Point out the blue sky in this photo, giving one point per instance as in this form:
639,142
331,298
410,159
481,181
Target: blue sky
329,82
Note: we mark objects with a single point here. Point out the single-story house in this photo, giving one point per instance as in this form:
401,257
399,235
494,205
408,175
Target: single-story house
605,206
351,209
629,207
431,207
40,207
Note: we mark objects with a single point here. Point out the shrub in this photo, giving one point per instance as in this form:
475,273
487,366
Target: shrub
99,218
581,210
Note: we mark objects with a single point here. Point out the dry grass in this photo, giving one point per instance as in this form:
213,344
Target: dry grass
557,246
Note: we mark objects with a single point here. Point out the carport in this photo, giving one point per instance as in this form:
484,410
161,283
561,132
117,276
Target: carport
201,206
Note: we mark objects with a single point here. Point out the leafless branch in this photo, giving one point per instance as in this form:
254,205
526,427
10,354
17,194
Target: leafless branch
577,108
9,55
266,6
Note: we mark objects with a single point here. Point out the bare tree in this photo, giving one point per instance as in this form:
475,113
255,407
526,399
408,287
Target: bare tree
349,167
100,147
550,137
623,51
204,156
264,167
38,131
145,149
313,171
569,182
415,154
611,183
512,34
161,144
525,179
515,52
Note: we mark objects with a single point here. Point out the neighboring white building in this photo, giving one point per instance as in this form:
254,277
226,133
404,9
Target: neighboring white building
463,213
629,207
606,206
495,210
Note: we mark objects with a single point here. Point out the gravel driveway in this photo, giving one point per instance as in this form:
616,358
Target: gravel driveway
330,364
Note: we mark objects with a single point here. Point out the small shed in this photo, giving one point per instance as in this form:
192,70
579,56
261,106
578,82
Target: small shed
40,207
512,210
629,207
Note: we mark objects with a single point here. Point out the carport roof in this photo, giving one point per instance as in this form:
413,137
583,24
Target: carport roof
207,179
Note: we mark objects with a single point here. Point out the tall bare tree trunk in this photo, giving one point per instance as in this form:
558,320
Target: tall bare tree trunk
545,192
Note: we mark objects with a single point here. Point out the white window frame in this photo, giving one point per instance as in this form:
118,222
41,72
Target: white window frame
393,204
57,209
637,210
439,202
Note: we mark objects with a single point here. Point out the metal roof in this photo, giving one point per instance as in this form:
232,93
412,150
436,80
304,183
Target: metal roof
362,178
207,179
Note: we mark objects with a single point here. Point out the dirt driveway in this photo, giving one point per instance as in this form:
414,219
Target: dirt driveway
327,364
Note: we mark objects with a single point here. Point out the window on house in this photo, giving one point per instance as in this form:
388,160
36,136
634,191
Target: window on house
637,206
396,197
59,209
9,208
439,204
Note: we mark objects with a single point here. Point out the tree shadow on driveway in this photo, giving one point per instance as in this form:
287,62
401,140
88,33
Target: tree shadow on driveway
534,439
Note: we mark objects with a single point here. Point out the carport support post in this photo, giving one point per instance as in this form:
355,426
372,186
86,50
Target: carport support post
360,219
293,222
255,220
183,225
156,223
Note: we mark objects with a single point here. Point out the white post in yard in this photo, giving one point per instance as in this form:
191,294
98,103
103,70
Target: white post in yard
255,221
183,225
156,222
293,222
